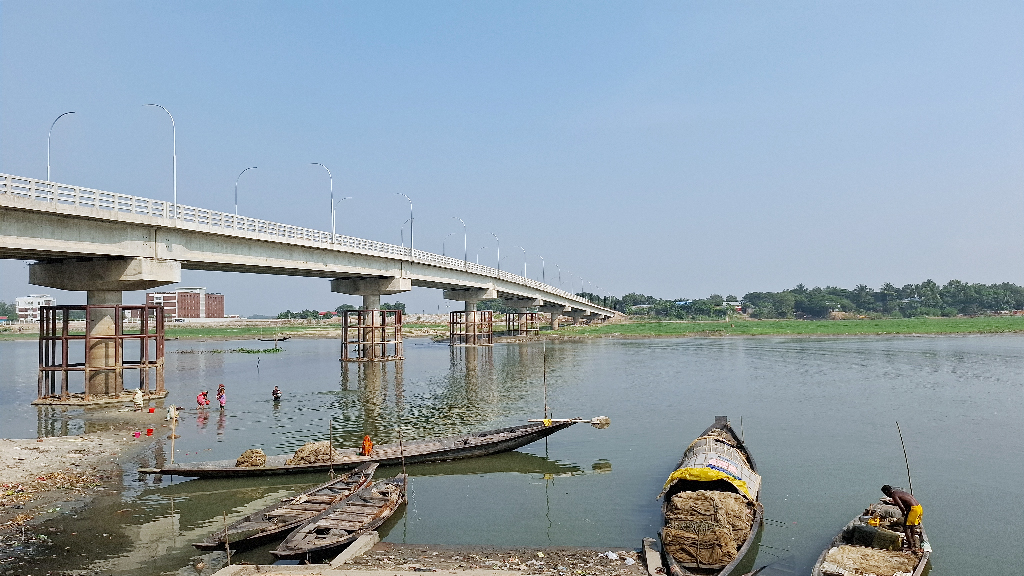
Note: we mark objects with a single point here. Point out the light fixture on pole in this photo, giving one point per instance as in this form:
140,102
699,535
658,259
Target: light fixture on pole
330,177
412,245
465,245
174,156
499,249
236,186
48,143
443,252
543,274
524,260
336,202
559,274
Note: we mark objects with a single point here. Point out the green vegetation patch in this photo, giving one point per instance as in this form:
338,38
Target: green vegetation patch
961,325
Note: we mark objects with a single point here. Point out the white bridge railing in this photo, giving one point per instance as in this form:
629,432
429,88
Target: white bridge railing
69,195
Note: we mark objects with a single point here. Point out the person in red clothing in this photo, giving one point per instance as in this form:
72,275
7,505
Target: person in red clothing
367,446
202,399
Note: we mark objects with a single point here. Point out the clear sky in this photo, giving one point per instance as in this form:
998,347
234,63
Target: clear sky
672,148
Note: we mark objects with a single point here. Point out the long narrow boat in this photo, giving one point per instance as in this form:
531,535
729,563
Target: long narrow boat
871,543
344,522
431,450
713,516
277,520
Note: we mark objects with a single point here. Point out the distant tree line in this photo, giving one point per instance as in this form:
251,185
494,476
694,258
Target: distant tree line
925,299
9,310
324,315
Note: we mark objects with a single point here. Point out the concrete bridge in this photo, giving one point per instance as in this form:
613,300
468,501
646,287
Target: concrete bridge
105,243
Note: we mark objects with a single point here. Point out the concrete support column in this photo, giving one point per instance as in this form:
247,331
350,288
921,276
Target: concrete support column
470,305
576,316
371,302
556,311
101,355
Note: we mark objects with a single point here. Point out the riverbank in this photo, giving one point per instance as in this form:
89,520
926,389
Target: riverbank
41,477
408,559
435,326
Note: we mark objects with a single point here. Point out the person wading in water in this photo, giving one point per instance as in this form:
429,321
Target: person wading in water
911,510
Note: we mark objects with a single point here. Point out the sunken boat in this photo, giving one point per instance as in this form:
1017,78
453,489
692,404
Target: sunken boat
342,523
276,521
413,452
872,543
712,513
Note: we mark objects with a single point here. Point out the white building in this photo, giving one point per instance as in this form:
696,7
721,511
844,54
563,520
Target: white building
28,306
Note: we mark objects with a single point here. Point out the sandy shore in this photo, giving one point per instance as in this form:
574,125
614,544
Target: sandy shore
39,476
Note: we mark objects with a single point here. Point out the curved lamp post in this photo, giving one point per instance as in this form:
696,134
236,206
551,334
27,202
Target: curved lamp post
48,144
499,249
174,156
330,177
465,244
236,186
336,202
543,275
443,253
411,222
524,260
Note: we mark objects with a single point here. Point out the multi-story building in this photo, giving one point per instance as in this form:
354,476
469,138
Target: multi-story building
28,306
188,303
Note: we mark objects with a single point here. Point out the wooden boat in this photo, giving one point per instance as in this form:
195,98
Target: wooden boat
431,450
345,521
864,545
713,516
275,521
281,339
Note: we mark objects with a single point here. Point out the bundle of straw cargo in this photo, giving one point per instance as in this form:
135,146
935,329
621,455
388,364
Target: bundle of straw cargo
252,458
706,527
857,561
312,453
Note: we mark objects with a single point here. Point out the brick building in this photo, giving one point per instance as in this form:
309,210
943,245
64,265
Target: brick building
188,303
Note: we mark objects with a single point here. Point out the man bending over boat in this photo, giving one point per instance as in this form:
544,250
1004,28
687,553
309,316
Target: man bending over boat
911,510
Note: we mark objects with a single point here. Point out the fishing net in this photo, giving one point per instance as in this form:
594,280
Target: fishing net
706,526
312,453
252,458
848,560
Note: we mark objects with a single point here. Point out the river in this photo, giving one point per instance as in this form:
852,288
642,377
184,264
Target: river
817,413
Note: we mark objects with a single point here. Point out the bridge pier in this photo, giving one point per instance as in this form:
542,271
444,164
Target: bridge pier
471,327
555,310
104,281
371,334
522,323
576,315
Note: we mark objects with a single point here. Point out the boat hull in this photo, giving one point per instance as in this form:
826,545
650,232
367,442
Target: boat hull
259,528
922,567
506,439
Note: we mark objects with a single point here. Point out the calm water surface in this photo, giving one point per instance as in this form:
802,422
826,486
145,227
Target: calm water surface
818,415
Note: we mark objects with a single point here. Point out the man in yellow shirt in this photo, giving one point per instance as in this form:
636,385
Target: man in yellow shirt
912,512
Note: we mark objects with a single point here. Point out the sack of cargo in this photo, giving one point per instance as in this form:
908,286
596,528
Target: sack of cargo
253,458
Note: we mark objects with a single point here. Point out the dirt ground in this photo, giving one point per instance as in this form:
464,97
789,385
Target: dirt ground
37,475
558,561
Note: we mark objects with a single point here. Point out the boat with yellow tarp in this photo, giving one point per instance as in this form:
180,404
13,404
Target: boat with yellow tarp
713,516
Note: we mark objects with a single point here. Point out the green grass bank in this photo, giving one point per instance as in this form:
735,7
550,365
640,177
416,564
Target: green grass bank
866,327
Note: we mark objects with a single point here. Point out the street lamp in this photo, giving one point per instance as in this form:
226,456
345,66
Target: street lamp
465,245
48,144
336,202
411,222
524,260
559,275
330,177
543,275
450,234
499,250
174,156
236,186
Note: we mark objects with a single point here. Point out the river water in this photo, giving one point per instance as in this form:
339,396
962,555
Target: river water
818,415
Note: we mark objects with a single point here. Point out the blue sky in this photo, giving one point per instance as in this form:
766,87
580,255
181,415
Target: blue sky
675,149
